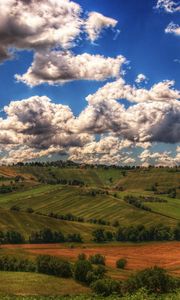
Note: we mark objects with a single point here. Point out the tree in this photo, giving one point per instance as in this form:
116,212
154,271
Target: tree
106,287
99,235
53,266
81,269
154,280
97,259
121,263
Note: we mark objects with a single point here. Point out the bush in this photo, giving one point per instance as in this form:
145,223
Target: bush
95,274
121,263
53,266
74,238
46,235
154,280
81,269
29,210
11,237
97,259
15,208
140,233
14,264
82,256
106,287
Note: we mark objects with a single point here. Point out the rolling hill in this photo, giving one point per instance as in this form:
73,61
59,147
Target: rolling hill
100,196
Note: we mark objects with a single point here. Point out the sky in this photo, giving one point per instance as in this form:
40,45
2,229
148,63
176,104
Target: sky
90,81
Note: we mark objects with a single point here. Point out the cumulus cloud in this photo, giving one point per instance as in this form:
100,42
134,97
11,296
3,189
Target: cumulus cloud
57,67
38,24
163,158
162,91
141,78
150,121
169,6
108,150
37,127
173,28
95,23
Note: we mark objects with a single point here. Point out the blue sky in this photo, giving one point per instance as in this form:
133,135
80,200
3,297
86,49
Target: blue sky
139,36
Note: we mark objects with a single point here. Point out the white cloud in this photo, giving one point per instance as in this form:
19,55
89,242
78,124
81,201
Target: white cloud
141,78
58,67
38,24
108,150
162,91
163,158
37,127
173,28
95,23
169,6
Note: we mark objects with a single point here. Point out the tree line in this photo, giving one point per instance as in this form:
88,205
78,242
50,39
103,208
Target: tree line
138,233
39,237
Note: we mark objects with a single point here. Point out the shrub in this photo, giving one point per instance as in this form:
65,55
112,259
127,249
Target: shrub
81,269
154,280
121,263
46,235
11,237
14,264
99,235
82,256
97,259
106,287
109,236
97,273
15,208
53,266
74,238
29,210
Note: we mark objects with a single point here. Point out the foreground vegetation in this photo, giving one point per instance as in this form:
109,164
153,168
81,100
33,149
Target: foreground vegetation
140,295
92,273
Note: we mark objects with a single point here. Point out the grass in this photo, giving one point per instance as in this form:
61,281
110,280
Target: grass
75,200
171,208
26,223
60,199
20,283
92,177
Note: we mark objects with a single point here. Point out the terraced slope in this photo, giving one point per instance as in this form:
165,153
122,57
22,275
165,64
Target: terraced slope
92,177
143,179
78,201
26,223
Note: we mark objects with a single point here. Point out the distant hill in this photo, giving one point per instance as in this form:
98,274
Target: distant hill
88,192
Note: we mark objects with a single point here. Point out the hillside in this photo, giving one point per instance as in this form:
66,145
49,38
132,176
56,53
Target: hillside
89,193
26,223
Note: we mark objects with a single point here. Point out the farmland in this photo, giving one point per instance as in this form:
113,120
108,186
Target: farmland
90,194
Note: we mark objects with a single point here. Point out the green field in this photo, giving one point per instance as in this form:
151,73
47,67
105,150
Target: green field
38,284
26,223
79,201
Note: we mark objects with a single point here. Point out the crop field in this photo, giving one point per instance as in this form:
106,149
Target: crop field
26,223
140,256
